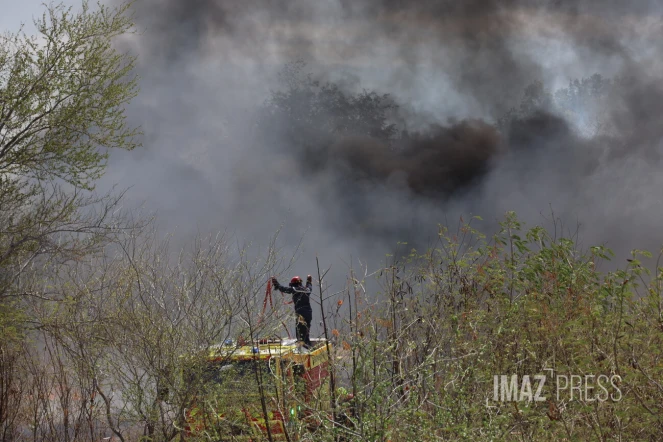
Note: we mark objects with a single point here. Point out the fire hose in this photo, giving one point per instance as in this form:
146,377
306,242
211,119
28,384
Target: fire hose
268,296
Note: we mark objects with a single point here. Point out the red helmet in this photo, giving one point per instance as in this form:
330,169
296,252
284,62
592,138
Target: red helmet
296,280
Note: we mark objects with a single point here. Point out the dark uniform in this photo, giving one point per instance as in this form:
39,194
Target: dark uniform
301,298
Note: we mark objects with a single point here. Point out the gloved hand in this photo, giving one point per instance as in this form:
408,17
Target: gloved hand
309,278
275,283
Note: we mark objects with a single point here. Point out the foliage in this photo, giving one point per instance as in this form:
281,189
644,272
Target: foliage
527,302
62,95
62,98
584,103
310,115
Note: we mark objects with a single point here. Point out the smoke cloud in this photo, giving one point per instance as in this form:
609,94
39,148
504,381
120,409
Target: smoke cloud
473,124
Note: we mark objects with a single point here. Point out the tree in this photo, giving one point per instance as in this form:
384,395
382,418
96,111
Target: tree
585,101
310,115
535,99
62,99
134,331
63,94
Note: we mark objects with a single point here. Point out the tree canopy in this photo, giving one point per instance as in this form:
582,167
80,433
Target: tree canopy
63,94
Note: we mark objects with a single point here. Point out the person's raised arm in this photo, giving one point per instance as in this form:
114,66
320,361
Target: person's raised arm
281,288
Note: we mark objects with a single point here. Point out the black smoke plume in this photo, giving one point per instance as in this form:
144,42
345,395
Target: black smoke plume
408,114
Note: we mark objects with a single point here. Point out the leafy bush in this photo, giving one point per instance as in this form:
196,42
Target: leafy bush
525,302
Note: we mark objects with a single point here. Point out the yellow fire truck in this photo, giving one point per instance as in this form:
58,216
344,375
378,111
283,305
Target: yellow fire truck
243,382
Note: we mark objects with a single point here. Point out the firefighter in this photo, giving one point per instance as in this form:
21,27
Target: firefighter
300,297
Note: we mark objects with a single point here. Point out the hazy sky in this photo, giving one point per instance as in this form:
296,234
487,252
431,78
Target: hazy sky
15,12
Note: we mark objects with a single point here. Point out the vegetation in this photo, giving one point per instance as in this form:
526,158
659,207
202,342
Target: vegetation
527,302
101,323
62,97
310,115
